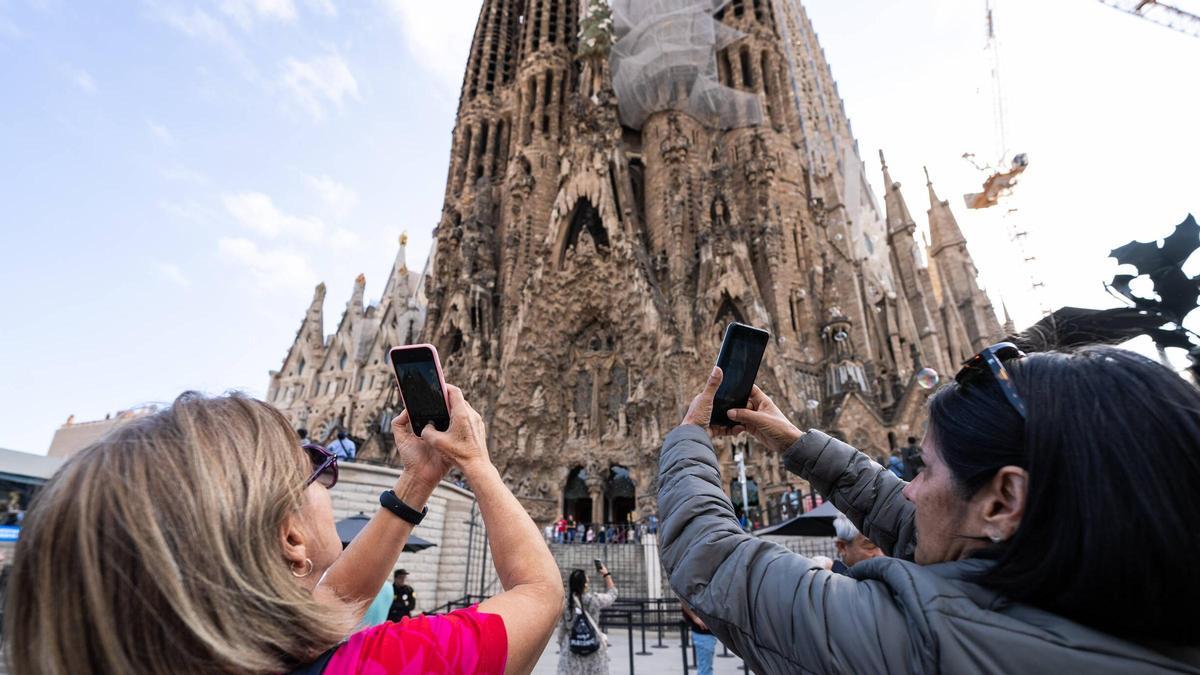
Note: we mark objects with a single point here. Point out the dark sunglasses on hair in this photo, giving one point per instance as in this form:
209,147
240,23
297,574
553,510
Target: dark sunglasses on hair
991,360
325,468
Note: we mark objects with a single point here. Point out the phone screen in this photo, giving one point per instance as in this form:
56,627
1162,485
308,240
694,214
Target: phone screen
741,353
417,373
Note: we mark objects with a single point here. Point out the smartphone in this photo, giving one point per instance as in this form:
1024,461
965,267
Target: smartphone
422,387
599,565
741,353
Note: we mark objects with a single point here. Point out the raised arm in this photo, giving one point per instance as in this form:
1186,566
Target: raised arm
867,493
780,611
532,596
356,576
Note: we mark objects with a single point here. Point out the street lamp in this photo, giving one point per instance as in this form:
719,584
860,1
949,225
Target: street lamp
741,464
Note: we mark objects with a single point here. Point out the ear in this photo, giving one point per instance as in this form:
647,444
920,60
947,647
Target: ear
1003,502
841,546
292,540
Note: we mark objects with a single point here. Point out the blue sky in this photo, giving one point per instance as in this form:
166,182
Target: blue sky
176,176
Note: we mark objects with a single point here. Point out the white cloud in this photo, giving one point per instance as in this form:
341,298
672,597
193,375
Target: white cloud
256,211
201,25
245,12
322,80
325,7
81,78
172,273
160,132
343,238
437,34
271,269
340,199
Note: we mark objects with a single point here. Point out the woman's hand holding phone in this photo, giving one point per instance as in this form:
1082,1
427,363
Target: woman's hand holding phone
700,411
464,443
417,456
766,422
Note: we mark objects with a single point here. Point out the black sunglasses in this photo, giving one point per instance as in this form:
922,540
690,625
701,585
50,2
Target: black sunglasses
325,468
991,360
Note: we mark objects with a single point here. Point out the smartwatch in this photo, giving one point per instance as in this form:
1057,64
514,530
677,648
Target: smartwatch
391,502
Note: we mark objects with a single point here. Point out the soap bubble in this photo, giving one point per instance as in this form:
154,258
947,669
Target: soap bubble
928,378
812,404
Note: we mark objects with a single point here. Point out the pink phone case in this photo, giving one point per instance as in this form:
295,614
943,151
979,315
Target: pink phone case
437,362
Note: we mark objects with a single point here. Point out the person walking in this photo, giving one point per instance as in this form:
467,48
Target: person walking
405,597
343,448
201,539
581,612
1051,480
702,640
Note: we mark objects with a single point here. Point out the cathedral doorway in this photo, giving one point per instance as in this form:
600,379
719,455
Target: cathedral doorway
620,496
577,503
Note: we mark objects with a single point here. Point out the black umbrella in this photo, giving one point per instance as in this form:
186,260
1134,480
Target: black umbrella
815,523
349,528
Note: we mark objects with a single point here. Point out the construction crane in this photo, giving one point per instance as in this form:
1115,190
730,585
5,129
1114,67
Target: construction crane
1160,13
1003,171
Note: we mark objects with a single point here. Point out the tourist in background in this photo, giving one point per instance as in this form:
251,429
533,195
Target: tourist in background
405,597
1053,530
201,539
895,465
911,456
343,448
702,639
852,546
380,607
583,608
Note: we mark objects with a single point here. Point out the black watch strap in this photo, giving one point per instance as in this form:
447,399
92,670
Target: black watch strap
391,502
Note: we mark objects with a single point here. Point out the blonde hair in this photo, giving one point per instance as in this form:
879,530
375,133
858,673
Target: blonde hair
158,550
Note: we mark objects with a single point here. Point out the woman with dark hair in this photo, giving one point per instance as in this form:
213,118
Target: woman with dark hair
1059,521
585,606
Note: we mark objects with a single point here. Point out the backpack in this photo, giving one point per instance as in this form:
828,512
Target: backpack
584,638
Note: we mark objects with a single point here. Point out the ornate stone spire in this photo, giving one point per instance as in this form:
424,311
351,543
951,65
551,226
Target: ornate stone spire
943,227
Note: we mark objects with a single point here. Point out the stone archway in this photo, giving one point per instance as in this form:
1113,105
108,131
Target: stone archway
577,500
620,496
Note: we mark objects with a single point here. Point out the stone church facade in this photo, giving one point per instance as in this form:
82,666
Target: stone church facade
584,269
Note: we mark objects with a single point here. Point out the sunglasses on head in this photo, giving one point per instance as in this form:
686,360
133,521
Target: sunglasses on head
325,468
991,360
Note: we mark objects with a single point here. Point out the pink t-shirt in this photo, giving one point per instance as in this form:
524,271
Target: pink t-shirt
463,641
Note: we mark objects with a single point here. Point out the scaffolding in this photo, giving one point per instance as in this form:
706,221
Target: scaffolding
665,58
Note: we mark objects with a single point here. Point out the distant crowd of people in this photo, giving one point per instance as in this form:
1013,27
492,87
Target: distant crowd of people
566,531
1050,526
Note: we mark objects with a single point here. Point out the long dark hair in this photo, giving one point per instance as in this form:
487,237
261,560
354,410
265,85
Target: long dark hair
575,584
1110,536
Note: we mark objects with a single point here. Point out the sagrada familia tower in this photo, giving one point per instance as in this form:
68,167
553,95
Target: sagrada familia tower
626,178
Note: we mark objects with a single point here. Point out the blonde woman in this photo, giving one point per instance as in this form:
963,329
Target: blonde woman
201,540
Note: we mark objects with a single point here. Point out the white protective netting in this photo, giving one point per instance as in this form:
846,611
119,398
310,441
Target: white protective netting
665,58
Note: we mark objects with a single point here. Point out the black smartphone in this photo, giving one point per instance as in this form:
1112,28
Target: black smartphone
599,565
741,353
422,387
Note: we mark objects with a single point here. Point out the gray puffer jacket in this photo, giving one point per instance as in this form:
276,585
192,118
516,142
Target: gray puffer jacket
783,613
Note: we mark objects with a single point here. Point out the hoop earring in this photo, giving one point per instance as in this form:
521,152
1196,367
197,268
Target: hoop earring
308,571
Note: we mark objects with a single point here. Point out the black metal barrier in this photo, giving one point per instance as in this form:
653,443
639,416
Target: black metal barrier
659,615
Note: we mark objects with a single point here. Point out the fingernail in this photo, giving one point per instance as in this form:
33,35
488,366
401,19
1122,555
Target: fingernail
714,372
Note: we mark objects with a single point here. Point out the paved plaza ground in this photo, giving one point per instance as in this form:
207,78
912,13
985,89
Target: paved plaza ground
666,660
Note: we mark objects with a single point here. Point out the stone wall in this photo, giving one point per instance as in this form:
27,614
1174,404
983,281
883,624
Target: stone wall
436,574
